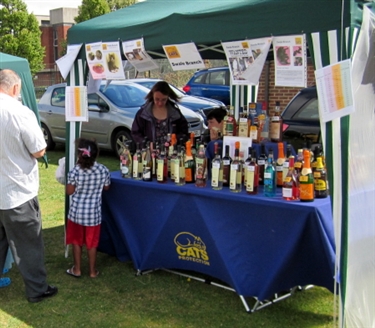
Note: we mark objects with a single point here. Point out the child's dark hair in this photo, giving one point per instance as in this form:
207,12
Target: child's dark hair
217,113
87,152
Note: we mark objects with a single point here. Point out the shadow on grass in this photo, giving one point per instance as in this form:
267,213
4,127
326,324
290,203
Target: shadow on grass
117,298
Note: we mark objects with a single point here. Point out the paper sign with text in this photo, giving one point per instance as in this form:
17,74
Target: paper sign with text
184,56
137,56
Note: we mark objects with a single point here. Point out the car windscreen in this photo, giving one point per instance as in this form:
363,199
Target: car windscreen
123,95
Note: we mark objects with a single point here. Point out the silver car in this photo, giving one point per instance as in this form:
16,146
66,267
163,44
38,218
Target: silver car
111,114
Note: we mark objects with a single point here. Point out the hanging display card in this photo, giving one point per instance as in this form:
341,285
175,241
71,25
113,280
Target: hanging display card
184,56
66,62
335,93
112,59
246,59
137,56
290,61
76,104
95,60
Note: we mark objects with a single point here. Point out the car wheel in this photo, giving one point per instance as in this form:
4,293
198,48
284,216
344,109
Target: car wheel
118,142
48,137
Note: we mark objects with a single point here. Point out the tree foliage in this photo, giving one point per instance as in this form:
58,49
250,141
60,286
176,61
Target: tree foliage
91,9
118,4
20,34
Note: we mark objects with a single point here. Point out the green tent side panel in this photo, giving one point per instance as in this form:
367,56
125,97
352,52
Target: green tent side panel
21,66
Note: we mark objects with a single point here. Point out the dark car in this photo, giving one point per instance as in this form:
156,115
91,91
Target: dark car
301,119
111,113
200,105
211,83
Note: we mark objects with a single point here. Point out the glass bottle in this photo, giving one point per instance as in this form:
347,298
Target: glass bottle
276,124
126,162
201,168
270,176
147,165
217,169
286,163
179,167
298,163
162,166
262,159
306,179
320,180
290,190
252,175
230,123
245,164
172,162
227,160
235,177
280,164
137,164
243,124
263,124
189,164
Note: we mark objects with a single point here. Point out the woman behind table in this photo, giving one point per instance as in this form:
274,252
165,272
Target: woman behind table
85,182
159,116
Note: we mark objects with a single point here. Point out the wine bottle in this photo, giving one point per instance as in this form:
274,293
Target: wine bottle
201,168
189,164
162,166
227,160
126,162
276,124
245,164
280,164
243,123
235,177
252,175
179,167
263,124
306,179
217,169
320,180
172,162
290,190
262,159
147,165
298,163
286,163
137,164
231,123
270,176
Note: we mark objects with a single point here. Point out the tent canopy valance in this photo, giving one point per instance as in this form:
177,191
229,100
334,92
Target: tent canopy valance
207,23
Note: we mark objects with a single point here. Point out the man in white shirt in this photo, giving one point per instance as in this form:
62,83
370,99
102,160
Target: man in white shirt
21,143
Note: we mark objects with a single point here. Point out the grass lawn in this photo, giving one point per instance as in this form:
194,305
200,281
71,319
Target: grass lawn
117,298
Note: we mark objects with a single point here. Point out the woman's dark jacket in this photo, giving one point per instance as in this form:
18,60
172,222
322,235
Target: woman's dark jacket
144,123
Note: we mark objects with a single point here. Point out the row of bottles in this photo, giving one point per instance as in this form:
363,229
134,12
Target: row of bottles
299,178
260,127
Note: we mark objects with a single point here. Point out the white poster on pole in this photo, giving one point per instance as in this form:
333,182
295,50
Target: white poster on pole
66,62
95,60
76,108
137,56
184,56
335,92
290,61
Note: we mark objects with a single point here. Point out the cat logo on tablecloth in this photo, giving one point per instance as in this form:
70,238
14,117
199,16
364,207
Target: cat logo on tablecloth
191,248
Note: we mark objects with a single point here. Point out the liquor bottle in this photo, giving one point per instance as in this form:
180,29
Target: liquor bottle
320,180
286,163
245,164
242,162
306,179
154,154
262,159
270,176
276,124
280,164
298,163
179,167
189,164
230,123
253,115
217,169
290,190
235,177
317,153
263,124
162,166
126,162
137,164
243,123
252,175
201,168
172,162
147,165
227,160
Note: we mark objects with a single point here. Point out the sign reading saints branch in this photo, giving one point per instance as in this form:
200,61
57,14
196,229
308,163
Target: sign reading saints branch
184,56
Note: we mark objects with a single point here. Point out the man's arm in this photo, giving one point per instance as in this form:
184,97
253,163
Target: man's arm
39,153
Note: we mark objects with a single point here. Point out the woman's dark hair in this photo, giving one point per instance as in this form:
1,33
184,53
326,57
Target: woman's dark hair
87,152
165,89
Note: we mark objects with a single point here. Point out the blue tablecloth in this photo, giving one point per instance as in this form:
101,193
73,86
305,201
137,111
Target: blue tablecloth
257,245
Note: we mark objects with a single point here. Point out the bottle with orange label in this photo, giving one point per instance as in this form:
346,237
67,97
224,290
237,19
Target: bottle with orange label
189,164
280,165
306,179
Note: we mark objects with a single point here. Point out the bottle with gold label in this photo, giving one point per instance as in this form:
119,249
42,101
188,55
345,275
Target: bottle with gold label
179,167
162,166
280,165
263,124
252,175
320,180
276,124
137,164
189,164
306,179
